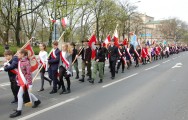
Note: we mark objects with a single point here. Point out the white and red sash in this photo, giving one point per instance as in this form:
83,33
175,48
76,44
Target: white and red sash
42,62
119,52
64,60
21,79
14,71
53,54
129,53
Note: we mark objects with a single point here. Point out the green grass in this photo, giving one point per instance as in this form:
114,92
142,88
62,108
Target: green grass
14,49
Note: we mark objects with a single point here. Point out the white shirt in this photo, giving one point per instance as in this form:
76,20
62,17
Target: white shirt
43,56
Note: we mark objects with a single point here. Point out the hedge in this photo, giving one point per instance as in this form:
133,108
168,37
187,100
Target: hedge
14,49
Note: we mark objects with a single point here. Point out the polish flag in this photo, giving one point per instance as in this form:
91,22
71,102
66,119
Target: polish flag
91,43
32,58
106,41
116,39
64,22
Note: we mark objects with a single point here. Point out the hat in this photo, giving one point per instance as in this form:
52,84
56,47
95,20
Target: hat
98,43
85,40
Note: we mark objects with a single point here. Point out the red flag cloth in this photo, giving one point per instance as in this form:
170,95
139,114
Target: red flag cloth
106,41
32,58
91,43
116,39
125,41
64,22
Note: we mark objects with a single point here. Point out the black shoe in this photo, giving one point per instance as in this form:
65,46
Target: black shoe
91,81
100,81
53,91
14,101
68,91
16,113
112,78
63,92
117,72
122,72
41,90
82,79
36,104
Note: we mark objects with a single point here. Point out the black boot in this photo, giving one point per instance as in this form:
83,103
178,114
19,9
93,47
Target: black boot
53,91
16,113
77,76
100,81
82,79
14,101
116,71
36,104
91,81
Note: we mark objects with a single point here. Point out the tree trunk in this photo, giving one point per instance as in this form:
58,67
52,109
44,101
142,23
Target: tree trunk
18,26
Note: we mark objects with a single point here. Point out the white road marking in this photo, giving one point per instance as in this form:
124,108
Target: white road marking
178,65
152,67
166,61
47,109
119,80
5,84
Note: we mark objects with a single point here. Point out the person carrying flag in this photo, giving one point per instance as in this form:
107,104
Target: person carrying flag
65,67
43,56
86,53
53,62
24,78
98,63
11,68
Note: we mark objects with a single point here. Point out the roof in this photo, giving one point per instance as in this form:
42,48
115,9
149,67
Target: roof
154,22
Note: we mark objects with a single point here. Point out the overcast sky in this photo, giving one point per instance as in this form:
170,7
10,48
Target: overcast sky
163,9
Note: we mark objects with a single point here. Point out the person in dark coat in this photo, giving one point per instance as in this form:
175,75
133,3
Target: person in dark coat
75,52
53,62
113,56
11,68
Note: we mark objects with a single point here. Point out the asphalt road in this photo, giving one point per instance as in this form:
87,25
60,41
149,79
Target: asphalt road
156,91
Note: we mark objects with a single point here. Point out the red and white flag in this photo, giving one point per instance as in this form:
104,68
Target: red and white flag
64,22
92,43
106,41
116,39
32,58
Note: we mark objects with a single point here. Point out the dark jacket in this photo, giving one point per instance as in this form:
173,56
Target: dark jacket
53,63
113,53
13,65
100,54
86,54
75,52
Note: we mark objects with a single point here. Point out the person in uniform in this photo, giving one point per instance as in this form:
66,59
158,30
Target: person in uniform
11,67
75,52
137,54
65,67
86,53
122,58
43,56
113,56
53,62
98,64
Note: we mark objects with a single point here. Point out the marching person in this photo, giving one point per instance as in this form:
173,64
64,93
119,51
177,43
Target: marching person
113,56
43,56
86,53
98,64
75,52
24,78
53,62
11,68
122,59
144,55
65,67
137,54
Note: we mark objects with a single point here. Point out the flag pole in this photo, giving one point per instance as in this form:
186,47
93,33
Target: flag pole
82,48
48,57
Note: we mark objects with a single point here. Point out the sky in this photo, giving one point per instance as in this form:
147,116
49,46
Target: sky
163,9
